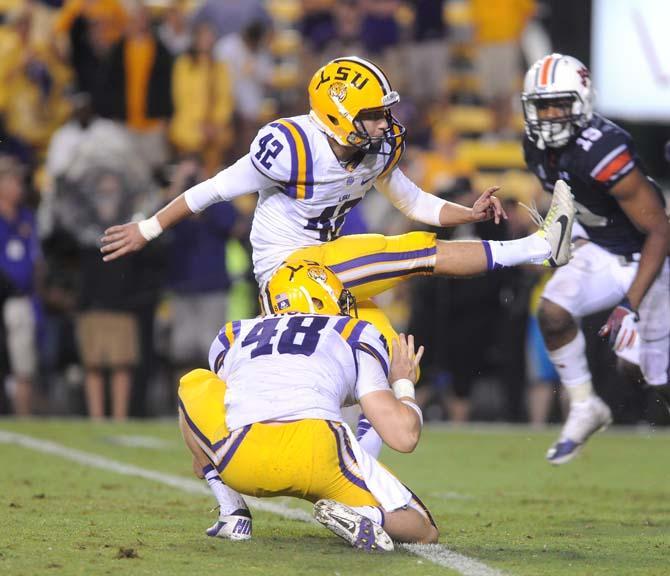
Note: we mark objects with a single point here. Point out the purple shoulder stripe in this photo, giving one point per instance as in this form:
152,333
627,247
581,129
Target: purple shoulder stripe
223,338
369,349
356,332
290,185
237,324
309,168
341,323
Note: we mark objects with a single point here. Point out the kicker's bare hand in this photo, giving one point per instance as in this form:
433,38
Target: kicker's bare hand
121,240
488,206
405,362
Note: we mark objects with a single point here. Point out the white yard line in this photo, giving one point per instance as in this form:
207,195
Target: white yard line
462,564
184,484
435,553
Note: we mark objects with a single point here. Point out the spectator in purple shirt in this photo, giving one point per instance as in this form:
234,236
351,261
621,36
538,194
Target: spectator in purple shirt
197,274
19,258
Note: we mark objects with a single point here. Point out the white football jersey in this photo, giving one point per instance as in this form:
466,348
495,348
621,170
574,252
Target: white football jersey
296,366
313,191
305,192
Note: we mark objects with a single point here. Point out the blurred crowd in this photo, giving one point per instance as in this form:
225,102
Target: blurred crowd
110,108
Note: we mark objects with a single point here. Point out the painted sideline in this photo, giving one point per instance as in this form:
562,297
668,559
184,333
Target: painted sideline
435,553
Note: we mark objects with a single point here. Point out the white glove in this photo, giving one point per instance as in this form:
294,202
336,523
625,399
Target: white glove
627,334
621,326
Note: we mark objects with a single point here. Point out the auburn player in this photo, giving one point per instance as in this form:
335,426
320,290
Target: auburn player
620,262
267,419
309,171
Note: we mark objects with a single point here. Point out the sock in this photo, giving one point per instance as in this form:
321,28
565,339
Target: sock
573,368
373,513
532,249
229,500
368,438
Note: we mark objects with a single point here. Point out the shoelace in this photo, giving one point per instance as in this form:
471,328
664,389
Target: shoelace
535,215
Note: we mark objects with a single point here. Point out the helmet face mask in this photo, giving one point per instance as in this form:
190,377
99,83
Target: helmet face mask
343,90
306,287
551,129
557,100
394,134
347,304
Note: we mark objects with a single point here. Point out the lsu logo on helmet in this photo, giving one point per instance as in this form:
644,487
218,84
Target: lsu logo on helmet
344,88
308,287
317,274
338,91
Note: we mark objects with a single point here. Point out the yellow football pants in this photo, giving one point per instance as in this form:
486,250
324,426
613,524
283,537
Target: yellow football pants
369,264
308,459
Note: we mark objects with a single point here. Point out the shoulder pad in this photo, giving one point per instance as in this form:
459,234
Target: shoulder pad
270,153
363,336
222,344
607,153
229,333
281,151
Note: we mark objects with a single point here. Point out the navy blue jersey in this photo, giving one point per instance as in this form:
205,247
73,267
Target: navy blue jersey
592,163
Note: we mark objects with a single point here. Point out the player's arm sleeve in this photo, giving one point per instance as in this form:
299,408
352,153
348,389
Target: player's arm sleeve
410,199
371,376
372,360
236,180
268,164
610,159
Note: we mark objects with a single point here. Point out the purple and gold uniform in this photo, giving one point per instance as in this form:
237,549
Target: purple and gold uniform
268,415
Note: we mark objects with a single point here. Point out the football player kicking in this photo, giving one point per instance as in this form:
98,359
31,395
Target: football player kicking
267,418
311,170
622,260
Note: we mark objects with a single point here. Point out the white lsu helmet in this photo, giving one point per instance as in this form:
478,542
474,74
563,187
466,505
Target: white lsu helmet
561,81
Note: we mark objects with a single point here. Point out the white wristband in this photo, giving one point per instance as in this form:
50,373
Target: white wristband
150,228
403,387
414,407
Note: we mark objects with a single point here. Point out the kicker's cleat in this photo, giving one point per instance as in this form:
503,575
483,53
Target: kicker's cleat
235,526
359,531
556,227
585,419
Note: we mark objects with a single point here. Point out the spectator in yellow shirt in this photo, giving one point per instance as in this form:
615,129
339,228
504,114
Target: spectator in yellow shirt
497,28
203,101
32,82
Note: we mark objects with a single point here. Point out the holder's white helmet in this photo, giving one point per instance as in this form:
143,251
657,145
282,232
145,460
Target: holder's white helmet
556,81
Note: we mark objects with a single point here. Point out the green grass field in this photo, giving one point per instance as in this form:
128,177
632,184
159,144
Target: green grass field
493,496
